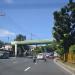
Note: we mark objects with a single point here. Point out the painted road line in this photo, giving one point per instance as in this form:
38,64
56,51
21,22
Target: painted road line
14,62
27,68
35,63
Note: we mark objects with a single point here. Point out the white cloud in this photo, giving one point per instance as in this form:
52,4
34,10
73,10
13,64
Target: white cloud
8,1
4,33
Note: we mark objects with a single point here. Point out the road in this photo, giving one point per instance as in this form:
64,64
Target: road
25,66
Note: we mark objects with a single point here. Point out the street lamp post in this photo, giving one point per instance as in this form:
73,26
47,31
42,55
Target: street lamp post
31,36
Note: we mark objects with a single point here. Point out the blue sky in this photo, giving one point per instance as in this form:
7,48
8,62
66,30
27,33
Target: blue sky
28,16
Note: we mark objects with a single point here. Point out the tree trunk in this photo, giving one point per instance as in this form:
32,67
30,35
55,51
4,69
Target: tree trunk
66,57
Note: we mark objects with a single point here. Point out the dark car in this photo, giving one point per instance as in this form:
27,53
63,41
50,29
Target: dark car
4,54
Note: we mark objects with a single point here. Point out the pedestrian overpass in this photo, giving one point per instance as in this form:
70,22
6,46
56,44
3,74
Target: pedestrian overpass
29,42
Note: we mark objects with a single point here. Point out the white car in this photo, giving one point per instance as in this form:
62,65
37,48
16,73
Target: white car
40,56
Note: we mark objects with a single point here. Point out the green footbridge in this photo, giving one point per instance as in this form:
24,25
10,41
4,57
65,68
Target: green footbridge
29,42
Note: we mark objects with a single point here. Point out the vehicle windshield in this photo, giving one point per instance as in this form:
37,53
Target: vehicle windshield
37,37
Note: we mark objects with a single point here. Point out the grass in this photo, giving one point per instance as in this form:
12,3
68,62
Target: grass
70,64
67,63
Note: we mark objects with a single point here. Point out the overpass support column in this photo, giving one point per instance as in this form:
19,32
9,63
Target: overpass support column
15,50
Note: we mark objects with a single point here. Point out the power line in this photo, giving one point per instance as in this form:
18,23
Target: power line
15,24
34,35
31,6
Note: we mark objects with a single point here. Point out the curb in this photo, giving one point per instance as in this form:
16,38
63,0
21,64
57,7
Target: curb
65,67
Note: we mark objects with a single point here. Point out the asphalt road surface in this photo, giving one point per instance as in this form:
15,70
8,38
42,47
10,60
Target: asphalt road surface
25,66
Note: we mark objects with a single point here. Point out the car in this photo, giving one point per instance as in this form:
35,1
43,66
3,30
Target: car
47,54
1,53
40,56
4,55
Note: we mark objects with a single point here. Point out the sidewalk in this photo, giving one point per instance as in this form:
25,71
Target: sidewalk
65,67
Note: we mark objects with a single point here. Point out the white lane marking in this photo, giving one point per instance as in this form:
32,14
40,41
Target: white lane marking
27,68
15,62
35,63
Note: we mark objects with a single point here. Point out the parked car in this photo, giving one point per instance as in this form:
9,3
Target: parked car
4,54
1,53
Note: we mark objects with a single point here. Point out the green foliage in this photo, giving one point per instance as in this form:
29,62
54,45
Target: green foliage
38,50
52,46
20,37
1,43
70,1
60,50
64,27
72,49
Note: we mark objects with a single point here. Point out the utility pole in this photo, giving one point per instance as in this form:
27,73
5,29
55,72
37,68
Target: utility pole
8,39
31,36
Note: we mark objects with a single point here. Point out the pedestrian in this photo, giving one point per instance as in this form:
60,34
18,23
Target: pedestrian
34,59
45,59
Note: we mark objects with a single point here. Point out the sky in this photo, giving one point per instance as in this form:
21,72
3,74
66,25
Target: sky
28,17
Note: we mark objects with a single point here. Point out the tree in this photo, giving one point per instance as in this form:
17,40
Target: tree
1,43
38,50
64,27
20,37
